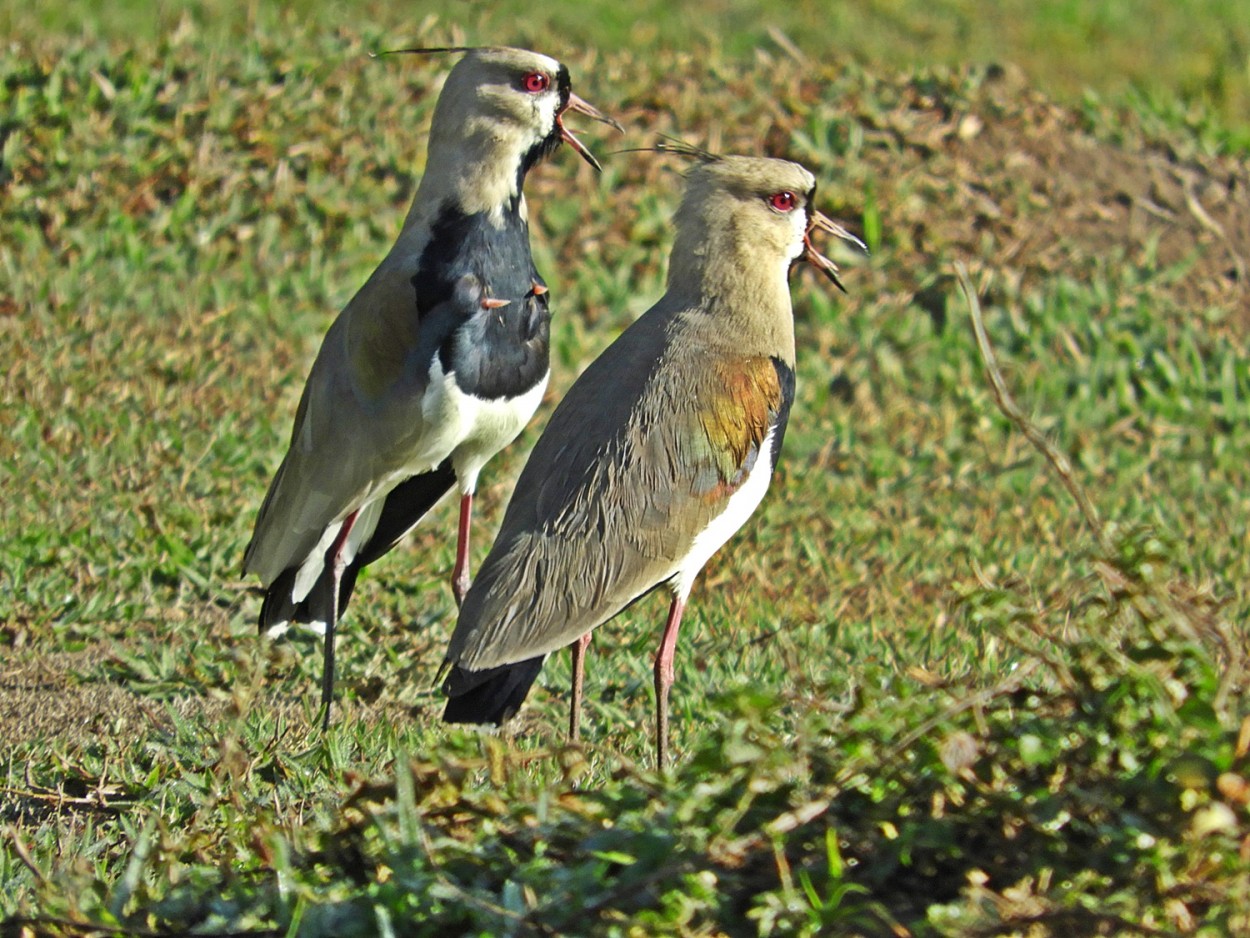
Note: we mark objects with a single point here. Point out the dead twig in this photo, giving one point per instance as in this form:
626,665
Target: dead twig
23,853
1204,218
1195,622
1011,410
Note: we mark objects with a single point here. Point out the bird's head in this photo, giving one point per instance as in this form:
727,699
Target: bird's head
507,106
757,208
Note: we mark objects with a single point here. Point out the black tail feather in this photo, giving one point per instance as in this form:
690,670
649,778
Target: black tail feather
406,504
490,696
277,605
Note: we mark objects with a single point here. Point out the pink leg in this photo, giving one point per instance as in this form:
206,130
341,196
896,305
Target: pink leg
460,575
664,678
578,648
338,563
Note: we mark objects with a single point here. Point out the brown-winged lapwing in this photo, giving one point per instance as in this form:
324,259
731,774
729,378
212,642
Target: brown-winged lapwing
658,453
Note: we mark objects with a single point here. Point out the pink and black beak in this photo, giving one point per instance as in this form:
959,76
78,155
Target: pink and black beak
578,106
827,267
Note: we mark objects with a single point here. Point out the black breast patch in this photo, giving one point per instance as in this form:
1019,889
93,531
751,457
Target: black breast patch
471,261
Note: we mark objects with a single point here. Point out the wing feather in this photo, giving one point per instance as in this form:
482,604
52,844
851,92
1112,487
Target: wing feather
616,491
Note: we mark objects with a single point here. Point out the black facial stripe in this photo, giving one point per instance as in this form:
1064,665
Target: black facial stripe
564,85
544,147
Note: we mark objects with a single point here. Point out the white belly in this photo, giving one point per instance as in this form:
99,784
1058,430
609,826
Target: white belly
469,430
740,506
490,426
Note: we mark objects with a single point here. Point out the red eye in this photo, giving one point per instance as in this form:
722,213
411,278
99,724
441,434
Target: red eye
783,201
535,82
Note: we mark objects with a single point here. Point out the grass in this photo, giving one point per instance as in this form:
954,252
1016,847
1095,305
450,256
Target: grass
917,695
1199,49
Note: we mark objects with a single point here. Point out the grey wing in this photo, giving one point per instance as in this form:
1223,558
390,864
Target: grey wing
359,420
586,532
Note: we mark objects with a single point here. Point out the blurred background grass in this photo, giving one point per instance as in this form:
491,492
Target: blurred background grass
1197,50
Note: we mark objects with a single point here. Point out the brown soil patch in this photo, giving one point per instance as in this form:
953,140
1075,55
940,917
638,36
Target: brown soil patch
41,698
1018,185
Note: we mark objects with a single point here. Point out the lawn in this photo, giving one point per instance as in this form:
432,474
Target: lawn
922,693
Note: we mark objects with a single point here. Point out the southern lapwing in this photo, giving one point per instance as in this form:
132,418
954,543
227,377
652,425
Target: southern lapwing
658,453
437,362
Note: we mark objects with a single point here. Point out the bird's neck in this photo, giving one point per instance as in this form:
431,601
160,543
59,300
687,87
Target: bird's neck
479,172
742,292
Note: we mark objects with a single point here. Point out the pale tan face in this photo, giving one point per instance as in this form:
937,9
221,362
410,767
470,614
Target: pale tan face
512,94
764,202
497,116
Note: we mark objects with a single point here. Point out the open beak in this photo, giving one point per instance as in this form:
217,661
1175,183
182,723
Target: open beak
827,267
579,106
